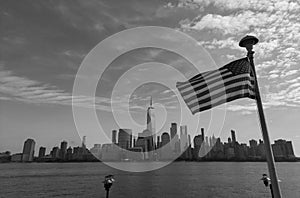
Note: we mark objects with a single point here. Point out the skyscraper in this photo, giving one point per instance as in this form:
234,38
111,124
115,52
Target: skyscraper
166,150
253,148
233,138
253,143
114,136
42,152
202,134
134,142
206,145
210,142
165,138
214,140
145,141
151,121
261,151
229,140
189,149
28,150
183,138
55,152
290,150
283,149
63,150
69,153
96,151
173,130
198,140
83,144
125,138
158,142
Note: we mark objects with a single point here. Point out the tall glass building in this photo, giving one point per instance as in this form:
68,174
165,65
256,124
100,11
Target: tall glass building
28,150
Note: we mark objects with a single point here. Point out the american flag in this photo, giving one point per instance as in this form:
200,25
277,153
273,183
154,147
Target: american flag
212,88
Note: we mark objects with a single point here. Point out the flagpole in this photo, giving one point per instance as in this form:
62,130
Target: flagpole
248,43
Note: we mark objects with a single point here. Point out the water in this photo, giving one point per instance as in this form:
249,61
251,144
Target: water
180,179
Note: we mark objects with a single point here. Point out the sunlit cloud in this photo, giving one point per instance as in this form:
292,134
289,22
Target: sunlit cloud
277,55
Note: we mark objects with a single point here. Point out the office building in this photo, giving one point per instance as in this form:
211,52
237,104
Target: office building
253,148
134,154
16,157
110,152
183,138
283,149
42,152
28,150
55,152
173,130
83,144
260,150
233,138
198,140
96,150
114,136
165,152
151,122
202,134
125,138
63,150
145,141
69,153
165,138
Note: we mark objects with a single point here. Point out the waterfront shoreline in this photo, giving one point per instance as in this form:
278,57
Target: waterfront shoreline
176,161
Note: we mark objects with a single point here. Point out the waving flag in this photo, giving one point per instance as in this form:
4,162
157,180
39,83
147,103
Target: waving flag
212,88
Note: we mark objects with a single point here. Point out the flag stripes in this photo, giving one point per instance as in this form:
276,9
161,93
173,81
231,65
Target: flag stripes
215,103
214,85
213,88
202,79
218,92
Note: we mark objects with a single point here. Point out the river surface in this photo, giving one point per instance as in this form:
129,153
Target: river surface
179,179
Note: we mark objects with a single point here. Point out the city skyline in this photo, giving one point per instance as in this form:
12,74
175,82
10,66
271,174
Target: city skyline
203,147
147,145
38,67
150,125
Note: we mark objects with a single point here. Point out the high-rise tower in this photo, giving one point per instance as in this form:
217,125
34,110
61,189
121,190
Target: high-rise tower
125,138
173,130
114,136
28,150
63,149
83,144
183,138
233,138
151,121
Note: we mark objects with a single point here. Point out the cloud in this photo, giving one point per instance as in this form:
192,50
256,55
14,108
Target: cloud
267,64
251,107
231,24
17,88
273,76
73,54
234,5
274,23
230,43
290,72
277,55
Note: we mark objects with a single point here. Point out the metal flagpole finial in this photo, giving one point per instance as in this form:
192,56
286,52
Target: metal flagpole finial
248,42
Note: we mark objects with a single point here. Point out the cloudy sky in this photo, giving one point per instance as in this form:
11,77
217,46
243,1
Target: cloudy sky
43,44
